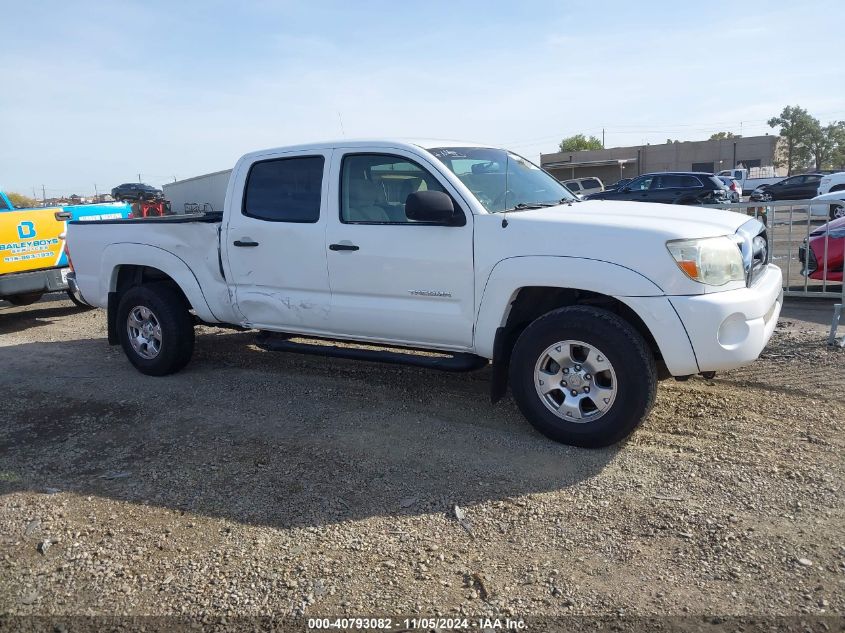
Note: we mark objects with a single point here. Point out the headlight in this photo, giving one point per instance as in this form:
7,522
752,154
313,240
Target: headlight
712,260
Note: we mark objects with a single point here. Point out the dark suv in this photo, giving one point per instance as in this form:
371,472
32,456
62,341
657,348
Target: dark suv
801,187
136,191
677,187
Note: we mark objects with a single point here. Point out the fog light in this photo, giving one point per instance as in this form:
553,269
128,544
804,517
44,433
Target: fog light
733,331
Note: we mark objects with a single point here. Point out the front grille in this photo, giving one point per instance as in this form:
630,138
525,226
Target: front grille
760,255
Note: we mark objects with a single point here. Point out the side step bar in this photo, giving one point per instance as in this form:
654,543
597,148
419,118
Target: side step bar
457,362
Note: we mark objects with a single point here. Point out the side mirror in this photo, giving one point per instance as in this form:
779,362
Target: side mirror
429,206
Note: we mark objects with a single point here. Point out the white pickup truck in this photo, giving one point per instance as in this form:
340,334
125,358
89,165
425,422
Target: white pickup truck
467,253
750,180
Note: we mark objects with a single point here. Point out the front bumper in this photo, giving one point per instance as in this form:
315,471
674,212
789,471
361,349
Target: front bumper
730,329
49,280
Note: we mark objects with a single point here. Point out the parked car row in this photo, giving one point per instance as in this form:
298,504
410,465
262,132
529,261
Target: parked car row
703,188
669,187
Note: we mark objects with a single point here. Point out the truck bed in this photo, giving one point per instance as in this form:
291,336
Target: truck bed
188,244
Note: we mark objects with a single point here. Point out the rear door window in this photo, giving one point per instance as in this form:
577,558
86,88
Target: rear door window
669,181
285,189
591,183
641,184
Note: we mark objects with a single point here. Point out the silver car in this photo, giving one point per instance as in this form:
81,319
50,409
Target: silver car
733,187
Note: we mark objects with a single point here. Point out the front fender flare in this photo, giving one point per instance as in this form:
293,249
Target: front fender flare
509,276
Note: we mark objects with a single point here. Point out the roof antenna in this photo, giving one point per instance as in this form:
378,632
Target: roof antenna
507,168
342,131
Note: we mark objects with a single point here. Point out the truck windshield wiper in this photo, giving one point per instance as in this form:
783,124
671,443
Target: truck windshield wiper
524,206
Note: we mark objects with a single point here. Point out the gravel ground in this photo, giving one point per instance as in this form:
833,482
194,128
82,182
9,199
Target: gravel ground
265,483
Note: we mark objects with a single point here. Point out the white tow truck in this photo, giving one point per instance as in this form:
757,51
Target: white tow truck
467,252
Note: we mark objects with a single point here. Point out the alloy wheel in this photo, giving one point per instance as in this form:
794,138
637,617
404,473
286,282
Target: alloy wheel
144,332
575,381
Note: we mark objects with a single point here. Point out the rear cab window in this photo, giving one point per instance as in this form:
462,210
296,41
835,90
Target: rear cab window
285,189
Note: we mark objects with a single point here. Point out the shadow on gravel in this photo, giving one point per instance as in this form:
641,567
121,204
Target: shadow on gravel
18,318
268,438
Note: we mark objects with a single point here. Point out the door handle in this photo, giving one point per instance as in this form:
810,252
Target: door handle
62,215
343,247
244,243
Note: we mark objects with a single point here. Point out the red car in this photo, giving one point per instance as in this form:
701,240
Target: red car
812,253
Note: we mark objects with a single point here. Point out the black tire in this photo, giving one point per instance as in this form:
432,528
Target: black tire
837,211
77,300
625,349
25,300
177,329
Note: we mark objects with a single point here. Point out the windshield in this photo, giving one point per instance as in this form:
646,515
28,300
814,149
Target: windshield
501,180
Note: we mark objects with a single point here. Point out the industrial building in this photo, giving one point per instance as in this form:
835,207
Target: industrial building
614,163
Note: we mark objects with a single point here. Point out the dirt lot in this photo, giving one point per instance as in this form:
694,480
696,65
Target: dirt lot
258,483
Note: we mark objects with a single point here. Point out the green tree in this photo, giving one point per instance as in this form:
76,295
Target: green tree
721,136
21,201
579,142
826,143
796,126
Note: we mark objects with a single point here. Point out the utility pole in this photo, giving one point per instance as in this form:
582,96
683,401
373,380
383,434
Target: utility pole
43,195
139,177
96,193
602,138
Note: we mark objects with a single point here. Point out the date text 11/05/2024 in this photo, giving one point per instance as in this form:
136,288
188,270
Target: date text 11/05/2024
423,623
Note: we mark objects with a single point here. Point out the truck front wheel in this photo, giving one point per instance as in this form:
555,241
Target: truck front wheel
583,376
155,328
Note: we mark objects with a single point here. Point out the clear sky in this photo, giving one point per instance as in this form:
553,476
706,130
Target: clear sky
98,92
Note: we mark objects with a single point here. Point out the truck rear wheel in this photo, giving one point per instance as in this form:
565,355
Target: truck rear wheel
155,328
583,376
25,300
